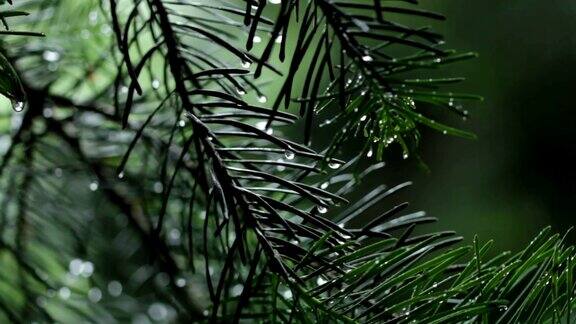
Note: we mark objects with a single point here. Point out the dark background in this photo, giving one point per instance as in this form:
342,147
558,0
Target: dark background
519,176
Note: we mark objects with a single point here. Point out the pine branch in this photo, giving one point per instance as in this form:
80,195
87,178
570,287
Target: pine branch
260,212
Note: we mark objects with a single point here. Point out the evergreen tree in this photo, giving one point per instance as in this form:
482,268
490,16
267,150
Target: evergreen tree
195,161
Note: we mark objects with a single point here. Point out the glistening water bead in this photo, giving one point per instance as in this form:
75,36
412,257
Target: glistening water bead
18,106
367,58
289,155
94,185
334,165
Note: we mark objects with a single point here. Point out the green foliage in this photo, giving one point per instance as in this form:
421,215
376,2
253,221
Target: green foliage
155,176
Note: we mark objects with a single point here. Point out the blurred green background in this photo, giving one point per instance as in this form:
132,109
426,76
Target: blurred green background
519,175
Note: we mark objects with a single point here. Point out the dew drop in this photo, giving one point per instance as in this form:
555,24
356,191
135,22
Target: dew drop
94,185
180,282
287,294
93,17
51,56
47,112
121,175
158,187
58,172
240,91
262,99
289,155
115,288
320,281
278,39
334,165
94,295
88,269
275,1
64,292
246,65
155,84
181,123
367,58
18,106
363,118
76,267
257,39
370,153
322,209
324,185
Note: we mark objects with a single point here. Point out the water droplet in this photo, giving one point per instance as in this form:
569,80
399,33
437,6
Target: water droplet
76,267
241,91
88,269
246,65
405,156
363,118
64,292
262,99
278,39
367,58
287,294
181,123
322,209
94,185
158,312
444,132
275,1
47,112
115,288
121,175
320,281
257,39
369,154
93,17
18,106
334,165
289,155
180,282
158,187
155,84
174,236
94,294
324,185
51,56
